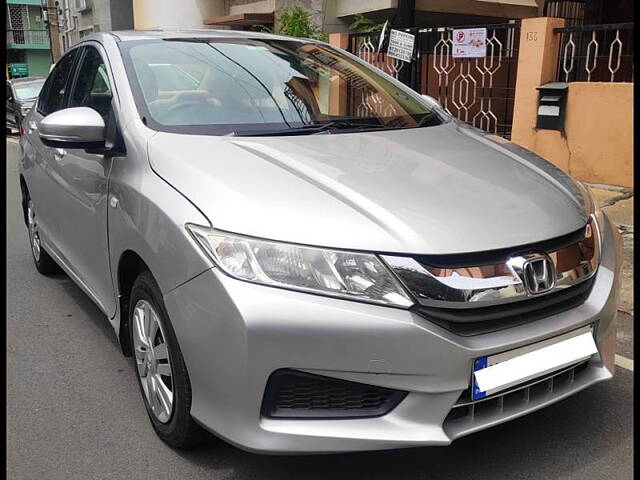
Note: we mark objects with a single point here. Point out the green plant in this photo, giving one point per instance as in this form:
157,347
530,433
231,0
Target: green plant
362,24
262,28
296,22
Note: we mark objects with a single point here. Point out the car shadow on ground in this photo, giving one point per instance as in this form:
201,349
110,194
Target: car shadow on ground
90,309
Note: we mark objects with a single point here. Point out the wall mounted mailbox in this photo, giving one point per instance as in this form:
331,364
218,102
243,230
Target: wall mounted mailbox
552,103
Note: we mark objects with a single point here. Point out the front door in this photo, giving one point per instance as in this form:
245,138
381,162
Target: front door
84,180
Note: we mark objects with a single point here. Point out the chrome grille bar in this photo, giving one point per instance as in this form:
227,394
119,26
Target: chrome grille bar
497,284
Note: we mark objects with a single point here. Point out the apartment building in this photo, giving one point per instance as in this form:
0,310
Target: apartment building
79,18
28,45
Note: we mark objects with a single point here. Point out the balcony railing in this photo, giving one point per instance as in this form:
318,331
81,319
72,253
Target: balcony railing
28,38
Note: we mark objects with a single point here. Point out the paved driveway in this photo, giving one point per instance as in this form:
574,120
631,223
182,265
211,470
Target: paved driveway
74,411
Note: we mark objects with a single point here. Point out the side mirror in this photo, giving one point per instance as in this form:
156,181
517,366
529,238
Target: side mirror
78,127
432,101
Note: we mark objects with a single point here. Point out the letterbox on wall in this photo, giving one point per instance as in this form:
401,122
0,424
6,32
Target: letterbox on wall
552,103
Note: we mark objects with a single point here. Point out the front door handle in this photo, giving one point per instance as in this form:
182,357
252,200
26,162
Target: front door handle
59,153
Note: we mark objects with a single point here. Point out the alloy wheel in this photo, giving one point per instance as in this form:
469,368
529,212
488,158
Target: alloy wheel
152,361
34,235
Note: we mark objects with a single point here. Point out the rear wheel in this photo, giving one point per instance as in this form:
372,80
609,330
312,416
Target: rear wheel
160,368
44,263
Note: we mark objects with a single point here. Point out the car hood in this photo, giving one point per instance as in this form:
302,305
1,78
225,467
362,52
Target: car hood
435,190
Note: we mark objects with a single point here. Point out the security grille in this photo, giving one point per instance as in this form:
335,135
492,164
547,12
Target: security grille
17,17
571,10
19,29
479,91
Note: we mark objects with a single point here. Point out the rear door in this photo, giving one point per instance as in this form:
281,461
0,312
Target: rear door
42,180
10,106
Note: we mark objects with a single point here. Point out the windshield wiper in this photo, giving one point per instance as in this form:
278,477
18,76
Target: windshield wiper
314,128
428,119
343,125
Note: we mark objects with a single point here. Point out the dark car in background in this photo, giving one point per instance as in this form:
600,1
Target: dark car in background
21,95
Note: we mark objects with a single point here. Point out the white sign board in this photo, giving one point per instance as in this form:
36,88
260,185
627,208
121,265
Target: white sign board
470,43
400,45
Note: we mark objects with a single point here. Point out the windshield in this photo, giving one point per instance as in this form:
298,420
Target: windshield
262,86
27,91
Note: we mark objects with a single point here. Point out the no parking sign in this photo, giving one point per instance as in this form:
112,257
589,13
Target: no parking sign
470,43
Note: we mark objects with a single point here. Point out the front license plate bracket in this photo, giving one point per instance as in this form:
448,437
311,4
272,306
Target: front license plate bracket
502,371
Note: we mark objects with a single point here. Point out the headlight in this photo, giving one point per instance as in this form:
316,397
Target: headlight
356,276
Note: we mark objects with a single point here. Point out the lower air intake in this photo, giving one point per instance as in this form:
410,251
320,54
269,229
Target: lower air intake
295,394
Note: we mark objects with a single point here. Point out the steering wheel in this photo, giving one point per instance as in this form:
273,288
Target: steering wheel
182,106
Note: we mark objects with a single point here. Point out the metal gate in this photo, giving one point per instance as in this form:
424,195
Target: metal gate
479,91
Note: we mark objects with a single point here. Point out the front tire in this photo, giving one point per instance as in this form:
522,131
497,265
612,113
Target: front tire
159,366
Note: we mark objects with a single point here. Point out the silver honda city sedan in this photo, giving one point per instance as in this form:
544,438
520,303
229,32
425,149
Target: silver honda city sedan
301,254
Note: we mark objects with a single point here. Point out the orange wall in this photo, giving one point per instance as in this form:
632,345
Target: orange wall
597,144
599,132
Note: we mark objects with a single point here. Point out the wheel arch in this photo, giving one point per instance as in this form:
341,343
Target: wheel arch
130,265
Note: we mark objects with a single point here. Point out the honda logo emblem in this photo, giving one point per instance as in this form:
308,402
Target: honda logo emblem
536,271
538,275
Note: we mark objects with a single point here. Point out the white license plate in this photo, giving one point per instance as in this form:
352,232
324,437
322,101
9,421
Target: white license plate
495,373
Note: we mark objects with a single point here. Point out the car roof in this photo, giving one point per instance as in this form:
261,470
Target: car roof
131,35
15,81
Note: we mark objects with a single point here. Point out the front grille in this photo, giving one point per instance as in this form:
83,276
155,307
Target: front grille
476,321
465,413
295,394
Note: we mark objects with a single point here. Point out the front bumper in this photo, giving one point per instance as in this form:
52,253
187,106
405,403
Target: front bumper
234,334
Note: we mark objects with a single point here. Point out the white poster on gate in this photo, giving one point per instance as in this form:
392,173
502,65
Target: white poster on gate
469,43
400,45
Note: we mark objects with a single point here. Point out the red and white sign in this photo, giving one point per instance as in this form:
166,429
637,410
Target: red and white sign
470,43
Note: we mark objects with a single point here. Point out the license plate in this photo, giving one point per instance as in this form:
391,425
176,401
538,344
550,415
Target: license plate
495,373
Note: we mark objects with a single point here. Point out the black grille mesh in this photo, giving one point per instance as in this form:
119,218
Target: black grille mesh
294,394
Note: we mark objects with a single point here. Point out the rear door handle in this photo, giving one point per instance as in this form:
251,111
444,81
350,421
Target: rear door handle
59,153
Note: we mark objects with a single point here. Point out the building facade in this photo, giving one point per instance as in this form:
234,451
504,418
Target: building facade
334,16
28,42
79,18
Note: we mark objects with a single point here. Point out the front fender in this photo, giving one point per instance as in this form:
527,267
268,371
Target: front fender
148,216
